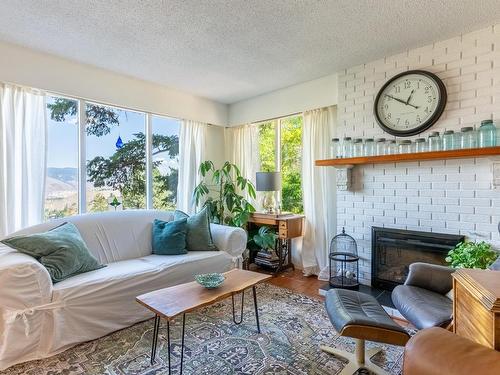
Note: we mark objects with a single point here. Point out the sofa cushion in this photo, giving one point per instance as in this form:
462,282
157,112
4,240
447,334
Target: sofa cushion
422,307
199,236
61,251
169,237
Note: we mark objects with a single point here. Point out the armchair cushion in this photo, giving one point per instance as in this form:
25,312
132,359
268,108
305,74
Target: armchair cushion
431,277
422,307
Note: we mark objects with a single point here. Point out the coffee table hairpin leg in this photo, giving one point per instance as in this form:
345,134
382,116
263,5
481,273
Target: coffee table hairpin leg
155,341
242,304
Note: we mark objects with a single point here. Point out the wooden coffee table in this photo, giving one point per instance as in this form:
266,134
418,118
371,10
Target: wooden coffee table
170,302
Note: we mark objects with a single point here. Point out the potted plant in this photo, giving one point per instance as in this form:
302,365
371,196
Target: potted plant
224,197
265,239
472,255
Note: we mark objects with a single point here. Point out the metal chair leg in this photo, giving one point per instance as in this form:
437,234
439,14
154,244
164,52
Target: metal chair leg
242,304
168,345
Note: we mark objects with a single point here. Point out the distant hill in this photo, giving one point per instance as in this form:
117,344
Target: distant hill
67,175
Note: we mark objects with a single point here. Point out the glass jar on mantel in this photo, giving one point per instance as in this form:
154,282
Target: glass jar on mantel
335,151
487,134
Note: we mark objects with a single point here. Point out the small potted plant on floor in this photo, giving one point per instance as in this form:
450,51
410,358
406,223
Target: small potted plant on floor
470,254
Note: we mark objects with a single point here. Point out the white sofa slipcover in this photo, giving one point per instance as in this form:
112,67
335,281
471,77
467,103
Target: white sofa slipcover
39,319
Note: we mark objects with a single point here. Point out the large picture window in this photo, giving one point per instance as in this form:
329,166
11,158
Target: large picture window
116,159
280,149
61,187
165,161
113,167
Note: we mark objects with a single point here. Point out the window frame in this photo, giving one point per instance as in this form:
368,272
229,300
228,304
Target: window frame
82,146
277,144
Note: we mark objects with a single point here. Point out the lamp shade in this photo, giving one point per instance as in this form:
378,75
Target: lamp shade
268,181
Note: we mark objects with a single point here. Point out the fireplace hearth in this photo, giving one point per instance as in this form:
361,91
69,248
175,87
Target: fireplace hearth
393,250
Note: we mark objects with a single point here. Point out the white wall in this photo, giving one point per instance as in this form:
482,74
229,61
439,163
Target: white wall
448,196
318,93
36,69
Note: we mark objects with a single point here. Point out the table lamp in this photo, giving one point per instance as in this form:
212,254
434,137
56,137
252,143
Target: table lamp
268,182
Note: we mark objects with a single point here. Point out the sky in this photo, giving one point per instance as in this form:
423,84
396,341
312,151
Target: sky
63,137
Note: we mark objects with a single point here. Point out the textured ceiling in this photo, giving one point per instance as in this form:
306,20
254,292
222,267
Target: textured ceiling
235,49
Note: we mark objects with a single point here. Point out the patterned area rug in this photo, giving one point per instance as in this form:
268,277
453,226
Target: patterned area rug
293,328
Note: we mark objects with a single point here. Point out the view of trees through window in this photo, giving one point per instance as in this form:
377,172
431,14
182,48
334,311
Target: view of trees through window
116,159
289,157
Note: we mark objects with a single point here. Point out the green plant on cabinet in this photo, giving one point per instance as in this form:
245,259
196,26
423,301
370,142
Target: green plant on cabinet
470,254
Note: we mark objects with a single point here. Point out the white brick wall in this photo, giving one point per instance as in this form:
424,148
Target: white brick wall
447,196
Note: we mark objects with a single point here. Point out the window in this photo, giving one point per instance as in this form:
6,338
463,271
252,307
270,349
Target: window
61,187
280,143
116,159
291,162
165,161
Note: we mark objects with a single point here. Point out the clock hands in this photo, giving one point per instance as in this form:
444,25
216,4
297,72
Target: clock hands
411,94
401,101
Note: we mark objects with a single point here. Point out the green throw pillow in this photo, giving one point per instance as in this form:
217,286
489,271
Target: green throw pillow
169,237
61,251
199,236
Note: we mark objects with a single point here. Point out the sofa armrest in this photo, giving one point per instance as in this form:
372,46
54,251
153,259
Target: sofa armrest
25,284
232,240
436,351
431,277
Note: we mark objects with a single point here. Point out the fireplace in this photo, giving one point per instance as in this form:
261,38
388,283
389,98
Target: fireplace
393,250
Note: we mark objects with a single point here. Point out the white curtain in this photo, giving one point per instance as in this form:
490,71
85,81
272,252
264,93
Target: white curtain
23,157
318,185
242,149
192,149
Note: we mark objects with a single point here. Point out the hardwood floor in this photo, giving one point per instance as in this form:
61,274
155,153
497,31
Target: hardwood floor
299,283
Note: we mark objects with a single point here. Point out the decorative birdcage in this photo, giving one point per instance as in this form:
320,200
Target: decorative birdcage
344,262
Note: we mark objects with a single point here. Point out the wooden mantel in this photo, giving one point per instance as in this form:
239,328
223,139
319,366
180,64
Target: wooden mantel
401,158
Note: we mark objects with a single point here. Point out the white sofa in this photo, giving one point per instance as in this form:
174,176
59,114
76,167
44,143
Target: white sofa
39,319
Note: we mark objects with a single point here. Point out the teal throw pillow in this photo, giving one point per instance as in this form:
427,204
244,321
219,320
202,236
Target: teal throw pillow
169,237
199,236
61,251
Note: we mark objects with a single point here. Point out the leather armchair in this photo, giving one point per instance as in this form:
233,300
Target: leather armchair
422,300
436,351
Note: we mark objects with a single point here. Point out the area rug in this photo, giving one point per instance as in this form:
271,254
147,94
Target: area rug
293,328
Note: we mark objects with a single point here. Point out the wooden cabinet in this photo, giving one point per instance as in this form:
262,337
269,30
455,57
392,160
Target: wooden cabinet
476,306
287,226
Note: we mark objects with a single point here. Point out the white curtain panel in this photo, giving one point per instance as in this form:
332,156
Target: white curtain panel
192,151
23,157
318,184
242,149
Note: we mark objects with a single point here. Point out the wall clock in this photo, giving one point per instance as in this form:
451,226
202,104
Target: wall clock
410,103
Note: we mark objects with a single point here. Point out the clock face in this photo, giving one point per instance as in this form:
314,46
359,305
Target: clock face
410,103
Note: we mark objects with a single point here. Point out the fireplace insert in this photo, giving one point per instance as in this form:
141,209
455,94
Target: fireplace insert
393,250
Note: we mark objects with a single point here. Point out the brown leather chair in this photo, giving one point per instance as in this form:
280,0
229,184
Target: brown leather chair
436,351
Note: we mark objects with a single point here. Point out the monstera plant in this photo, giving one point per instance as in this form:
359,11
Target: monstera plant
222,191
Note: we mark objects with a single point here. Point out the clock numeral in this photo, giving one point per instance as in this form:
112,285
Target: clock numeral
389,115
427,88
429,98
418,119
426,110
407,84
418,84
407,122
386,106
398,89
398,120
